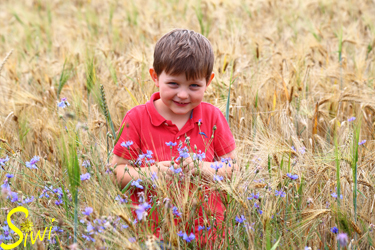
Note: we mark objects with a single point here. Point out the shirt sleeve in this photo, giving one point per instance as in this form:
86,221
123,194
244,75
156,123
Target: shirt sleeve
223,138
129,134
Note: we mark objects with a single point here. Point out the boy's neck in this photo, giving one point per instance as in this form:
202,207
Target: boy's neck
167,115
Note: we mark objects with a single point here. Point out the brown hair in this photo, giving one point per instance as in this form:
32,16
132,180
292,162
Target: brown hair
184,51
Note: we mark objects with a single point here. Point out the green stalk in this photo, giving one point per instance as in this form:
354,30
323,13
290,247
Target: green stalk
337,172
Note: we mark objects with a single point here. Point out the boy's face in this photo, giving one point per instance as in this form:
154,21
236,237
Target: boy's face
178,95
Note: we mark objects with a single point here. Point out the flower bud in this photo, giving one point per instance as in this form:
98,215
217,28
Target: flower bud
214,128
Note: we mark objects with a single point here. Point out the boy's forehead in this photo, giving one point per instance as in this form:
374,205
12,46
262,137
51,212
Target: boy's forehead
181,77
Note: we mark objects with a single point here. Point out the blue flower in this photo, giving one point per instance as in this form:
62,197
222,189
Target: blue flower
132,239
203,227
292,176
31,164
218,178
180,234
154,176
136,183
216,166
302,150
175,212
170,144
334,195
280,193
199,156
294,149
362,142
3,160
86,163
88,238
58,202
260,211
28,200
88,211
188,238
240,219
85,177
334,230
351,119
63,103
202,133
343,239
141,210
184,153
9,176
253,196
127,144
13,197
176,171
120,199
149,154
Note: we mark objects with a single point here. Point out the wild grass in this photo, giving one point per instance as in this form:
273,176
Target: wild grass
289,76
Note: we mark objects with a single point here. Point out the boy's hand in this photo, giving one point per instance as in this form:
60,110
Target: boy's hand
188,166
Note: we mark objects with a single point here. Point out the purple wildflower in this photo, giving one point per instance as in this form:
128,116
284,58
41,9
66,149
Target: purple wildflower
31,164
170,144
85,177
86,163
351,119
180,233
9,176
218,178
28,200
334,230
202,133
176,171
127,144
136,183
88,211
342,238
216,166
3,160
120,199
58,202
63,103
292,176
240,219
362,142
188,238
175,212
280,193
141,210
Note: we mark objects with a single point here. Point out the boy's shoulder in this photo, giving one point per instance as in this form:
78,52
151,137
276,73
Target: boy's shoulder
209,108
137,111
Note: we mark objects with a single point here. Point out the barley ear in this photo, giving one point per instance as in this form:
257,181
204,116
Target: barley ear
105,109
5,59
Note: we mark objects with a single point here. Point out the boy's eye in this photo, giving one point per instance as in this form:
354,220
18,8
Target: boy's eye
194,85
172,83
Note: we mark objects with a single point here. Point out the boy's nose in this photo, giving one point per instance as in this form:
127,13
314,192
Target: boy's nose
182,94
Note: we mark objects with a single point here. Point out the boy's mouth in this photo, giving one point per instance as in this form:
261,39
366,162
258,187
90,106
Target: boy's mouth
181,103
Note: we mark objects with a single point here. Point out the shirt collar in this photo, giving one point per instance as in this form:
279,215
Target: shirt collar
157,119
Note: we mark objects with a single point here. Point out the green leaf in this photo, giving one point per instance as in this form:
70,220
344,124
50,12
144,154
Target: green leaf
276,244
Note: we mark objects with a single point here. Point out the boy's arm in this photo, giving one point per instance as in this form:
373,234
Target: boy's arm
124,172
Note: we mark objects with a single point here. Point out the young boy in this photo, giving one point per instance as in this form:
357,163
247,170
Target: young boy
182,70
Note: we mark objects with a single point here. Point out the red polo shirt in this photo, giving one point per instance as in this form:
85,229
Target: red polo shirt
150,131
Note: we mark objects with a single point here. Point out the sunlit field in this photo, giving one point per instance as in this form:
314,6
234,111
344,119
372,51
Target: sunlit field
295,80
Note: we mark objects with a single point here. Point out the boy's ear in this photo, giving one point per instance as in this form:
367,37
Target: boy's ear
154,76
210,80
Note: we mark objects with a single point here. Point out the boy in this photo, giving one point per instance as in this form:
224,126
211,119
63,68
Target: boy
182,70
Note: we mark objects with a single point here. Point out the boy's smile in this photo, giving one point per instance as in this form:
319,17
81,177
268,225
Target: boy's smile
178,96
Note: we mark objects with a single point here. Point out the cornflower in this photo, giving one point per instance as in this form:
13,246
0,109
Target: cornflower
334,230
85,177
141,210
9,176
334,195
280,193
86,163
203,227
240,219
175,212
170,144
253,196
3,160
218,178
351,119
136,183
63,103
362,142
88,211
216,166
120,199
176,171
292,176
188,238
127,144
31,164
342,238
